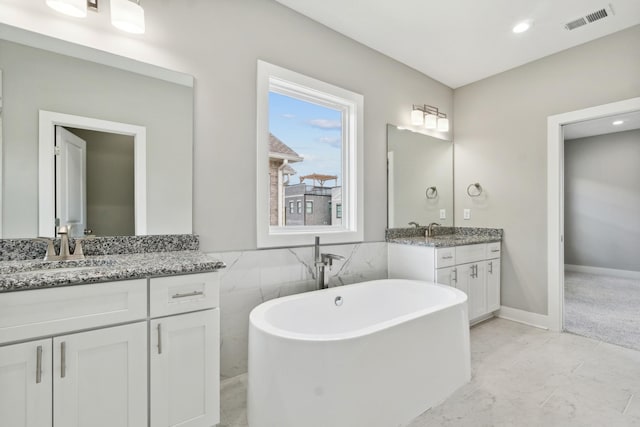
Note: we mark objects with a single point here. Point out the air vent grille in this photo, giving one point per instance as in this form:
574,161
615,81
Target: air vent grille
590,18
575,24
602,13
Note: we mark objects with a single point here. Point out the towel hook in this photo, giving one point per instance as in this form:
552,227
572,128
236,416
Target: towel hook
478,188
431,193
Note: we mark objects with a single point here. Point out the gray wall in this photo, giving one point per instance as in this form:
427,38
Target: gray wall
219,43
602,201
501,142
110,183
35,79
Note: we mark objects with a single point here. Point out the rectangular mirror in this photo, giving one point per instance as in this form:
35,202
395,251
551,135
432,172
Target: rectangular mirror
419,179
102,99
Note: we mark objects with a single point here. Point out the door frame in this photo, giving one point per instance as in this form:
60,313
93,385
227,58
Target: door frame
48,120
555,198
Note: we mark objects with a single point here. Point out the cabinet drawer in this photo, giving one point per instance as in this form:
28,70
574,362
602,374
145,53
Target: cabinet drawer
470,253
445,257
181,294
42,312
493,250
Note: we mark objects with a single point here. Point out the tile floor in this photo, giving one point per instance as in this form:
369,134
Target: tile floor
521,376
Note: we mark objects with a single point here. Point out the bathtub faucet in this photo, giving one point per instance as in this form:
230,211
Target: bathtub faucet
321,261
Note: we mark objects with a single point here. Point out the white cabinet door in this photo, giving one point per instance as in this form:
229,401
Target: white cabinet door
446,276
25,384
100,377
493,284
185,370
477,289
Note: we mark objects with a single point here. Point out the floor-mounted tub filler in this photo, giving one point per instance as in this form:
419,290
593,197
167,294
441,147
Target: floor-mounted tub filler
373,354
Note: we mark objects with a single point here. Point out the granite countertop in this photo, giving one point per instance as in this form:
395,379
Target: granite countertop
446,241
37,274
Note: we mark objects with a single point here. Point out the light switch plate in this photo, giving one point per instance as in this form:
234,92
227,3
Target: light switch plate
467,214
443,214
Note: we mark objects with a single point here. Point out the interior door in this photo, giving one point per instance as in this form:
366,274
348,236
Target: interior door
71,180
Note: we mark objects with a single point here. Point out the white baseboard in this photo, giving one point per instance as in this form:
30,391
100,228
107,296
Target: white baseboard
627,274
528,318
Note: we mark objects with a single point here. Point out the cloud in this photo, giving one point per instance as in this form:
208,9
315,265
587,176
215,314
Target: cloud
333,141
325,124
289,116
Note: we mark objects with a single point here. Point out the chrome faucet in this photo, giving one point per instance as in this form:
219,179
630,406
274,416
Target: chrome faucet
321,261
430,229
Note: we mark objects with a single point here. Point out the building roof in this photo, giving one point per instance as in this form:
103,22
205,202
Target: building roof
319,177
280,150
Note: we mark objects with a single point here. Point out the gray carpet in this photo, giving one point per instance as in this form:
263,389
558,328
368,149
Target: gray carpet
605,308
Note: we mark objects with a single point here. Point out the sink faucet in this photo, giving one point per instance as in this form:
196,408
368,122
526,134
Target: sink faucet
65,250
415,224
321,261
430,229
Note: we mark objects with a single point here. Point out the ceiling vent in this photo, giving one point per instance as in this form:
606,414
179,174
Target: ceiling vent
589,18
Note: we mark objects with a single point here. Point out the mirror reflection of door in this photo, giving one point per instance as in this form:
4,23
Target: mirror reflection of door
71,187
109,205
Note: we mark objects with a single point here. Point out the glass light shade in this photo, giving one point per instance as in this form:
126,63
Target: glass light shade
417,117
127,16
75,8
430,121
443,125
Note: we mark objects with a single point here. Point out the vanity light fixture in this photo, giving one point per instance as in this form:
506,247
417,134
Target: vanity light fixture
75,8
431,116
126,15
618,122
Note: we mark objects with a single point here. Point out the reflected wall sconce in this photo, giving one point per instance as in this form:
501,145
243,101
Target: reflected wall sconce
126,15
474,190
429,116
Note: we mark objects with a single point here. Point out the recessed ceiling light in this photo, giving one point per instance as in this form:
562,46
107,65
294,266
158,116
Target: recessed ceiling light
521,27
618,122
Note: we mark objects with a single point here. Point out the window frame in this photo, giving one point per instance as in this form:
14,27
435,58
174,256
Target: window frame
280,80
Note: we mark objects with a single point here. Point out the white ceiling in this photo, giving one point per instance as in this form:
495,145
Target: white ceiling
458,42
602,126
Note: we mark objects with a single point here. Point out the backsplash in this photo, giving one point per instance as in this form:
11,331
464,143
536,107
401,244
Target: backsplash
253,277
25,249
399,233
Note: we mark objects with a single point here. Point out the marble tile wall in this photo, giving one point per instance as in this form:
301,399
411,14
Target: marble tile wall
252,277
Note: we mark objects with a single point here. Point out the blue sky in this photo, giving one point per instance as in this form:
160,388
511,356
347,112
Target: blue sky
312,131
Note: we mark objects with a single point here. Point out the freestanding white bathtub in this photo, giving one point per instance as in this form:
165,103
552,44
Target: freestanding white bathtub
373,354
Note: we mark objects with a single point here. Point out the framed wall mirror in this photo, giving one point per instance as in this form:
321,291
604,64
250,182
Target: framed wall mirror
419,179
135,189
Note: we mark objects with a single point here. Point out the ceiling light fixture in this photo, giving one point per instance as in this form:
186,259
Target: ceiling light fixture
126,15
618,122
521,27
430,116
75,8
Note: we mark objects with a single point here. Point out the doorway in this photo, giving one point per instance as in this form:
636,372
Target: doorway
556,197
48,122
602,229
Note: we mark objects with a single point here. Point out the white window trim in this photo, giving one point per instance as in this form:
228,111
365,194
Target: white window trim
352,228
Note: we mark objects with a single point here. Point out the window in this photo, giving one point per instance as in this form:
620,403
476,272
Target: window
309,137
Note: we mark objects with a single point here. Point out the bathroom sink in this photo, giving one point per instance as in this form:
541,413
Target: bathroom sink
41,267
451,237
